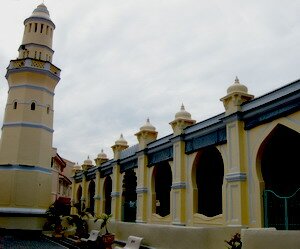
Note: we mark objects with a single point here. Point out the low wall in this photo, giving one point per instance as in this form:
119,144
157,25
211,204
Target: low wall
172,237
270,239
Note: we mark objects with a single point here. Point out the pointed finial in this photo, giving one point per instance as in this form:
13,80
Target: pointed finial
121,135
182,107
88,157
101,150
148,120
236,81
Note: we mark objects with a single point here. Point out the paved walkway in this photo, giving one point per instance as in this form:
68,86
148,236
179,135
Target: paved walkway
16,242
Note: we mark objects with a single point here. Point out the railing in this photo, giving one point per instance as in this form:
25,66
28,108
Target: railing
33,63
282,212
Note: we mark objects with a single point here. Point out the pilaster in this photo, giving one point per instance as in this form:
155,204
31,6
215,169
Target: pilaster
98,194
236,189
178,191
116,200
182,120
142,189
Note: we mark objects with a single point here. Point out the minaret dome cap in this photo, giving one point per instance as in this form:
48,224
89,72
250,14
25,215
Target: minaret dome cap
88,161
41,11
237,87
148,126
121,141
183,113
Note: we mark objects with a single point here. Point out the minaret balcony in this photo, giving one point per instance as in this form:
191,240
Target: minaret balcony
34,65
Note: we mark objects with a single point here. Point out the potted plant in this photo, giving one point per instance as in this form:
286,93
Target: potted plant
107,238
53,223
79,220
235,242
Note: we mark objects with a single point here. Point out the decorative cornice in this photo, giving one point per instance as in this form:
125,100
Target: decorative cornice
178,185
97,197
115,194
25,168
22,211
235,177
141,190
28,86
28,124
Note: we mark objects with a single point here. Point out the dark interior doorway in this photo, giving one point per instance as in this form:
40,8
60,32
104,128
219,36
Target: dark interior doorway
163,183
209,180
107,194
280,171
129,196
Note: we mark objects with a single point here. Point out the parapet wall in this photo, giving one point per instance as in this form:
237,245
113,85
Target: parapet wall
172,237
270,239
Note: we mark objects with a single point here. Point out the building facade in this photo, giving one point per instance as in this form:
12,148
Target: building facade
234,169
27,131
62,170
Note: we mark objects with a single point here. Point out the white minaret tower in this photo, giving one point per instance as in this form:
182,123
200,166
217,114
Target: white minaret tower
27,131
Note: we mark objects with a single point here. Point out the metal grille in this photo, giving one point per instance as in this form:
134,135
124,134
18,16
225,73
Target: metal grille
282,212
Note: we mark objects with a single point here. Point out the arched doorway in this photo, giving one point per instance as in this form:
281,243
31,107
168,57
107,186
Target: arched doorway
279,162
91,194
129,196
107,195
78,198
209,181
162,181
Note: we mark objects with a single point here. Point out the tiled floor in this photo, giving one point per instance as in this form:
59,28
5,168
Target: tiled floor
16,242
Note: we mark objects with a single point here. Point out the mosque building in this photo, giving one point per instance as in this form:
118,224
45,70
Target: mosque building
230,170
27,131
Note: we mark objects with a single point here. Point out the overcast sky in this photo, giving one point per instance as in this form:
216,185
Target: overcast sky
125,60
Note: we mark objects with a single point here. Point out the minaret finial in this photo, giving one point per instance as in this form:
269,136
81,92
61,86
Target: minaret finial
182,107
236,81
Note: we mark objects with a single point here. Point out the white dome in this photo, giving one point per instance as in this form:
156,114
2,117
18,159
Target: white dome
148,126
183,113
88,161
77,167
237,87
41,11
121,141
102,155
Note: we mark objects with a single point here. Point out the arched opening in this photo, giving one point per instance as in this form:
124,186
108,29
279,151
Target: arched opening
279,163
209,180
162,181
78,197
32,106
129,196
107,195
91,194
15,105
48,109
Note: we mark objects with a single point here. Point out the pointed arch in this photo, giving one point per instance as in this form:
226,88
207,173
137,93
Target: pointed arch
276,167
207,180
107,195
129,196
91,194
162,181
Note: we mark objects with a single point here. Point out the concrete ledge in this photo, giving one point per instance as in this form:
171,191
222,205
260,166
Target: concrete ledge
270,239
172,237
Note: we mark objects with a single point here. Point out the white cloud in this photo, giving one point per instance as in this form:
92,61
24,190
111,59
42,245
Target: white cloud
124,61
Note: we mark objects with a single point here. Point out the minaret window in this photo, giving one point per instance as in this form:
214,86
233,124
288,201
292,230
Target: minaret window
30,24
40,56
47,30
35,27
32,106
35,54
48,109
42,26
15,105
